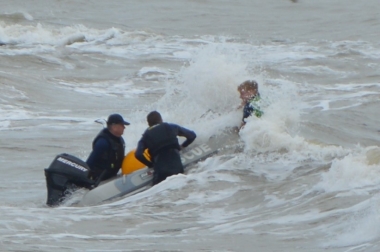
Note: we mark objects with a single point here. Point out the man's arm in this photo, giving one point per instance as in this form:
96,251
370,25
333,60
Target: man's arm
139,154
100,150
183,132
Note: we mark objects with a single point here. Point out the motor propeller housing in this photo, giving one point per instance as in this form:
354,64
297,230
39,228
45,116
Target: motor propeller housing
66,172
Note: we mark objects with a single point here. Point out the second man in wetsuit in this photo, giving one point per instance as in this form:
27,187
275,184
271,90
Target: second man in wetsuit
162,143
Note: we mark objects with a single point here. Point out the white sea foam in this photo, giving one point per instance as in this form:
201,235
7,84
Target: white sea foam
350,173
279,188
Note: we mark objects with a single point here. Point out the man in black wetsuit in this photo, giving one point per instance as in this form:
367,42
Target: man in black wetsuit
161,141
108,148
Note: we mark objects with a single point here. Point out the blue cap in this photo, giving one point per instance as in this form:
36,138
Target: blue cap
116,119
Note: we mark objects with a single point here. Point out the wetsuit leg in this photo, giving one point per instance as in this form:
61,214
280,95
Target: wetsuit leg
167,163
158,177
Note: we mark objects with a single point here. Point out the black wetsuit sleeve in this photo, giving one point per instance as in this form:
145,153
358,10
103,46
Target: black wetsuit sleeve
139,154
247,111
183,132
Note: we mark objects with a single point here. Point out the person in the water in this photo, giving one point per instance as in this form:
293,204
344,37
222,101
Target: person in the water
250,96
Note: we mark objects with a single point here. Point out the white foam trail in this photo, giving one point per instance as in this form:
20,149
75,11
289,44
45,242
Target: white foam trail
350,174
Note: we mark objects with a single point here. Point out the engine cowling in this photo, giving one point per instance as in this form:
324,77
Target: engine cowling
65,173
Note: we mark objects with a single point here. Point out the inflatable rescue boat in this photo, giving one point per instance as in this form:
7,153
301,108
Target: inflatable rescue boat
67,173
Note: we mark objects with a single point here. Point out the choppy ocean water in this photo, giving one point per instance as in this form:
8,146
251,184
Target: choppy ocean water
306,176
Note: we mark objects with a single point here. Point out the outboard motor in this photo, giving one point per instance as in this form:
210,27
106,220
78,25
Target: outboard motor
64,173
